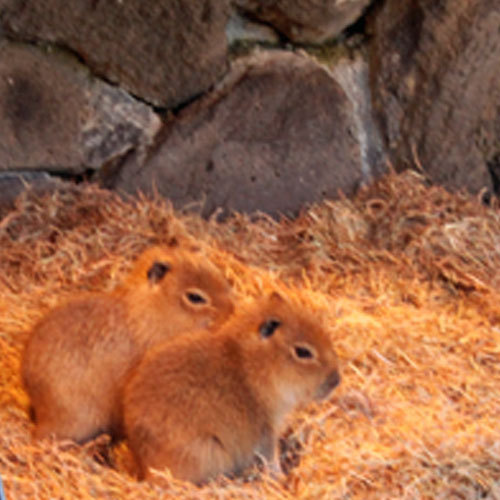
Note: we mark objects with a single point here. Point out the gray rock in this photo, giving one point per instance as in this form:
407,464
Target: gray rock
164,52
436,84
55,116
115,124
306,21
353,76
277,134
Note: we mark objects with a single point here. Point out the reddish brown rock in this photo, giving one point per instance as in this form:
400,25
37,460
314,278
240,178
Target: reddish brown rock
306,21
436,85
279,133
241,29
164,52
54,116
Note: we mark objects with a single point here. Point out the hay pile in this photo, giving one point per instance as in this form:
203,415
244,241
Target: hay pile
409,275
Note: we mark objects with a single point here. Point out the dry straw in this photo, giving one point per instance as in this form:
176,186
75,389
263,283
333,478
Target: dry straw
408,275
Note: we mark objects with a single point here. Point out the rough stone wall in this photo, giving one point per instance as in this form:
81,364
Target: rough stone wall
436,86
248,104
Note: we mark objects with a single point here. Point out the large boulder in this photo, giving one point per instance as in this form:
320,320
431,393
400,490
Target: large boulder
306,21
164,52
436,85
277,134
55,116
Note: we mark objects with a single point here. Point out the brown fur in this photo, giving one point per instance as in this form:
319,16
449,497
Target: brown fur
204,405
78,355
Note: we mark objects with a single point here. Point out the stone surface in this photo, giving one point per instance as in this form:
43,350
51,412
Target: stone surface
277,134
353,75
164,52
240,29
54,116
436,85
306,21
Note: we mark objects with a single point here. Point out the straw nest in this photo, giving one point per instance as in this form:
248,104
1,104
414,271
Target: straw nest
409,277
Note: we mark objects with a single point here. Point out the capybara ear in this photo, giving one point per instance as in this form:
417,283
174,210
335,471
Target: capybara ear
183,242
173,242
268,327
276,298
157,271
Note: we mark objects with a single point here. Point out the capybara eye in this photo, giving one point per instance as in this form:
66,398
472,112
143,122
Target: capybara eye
157,271
269,327
196,298
303,352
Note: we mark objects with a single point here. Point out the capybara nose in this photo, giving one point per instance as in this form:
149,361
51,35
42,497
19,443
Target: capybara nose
333,380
